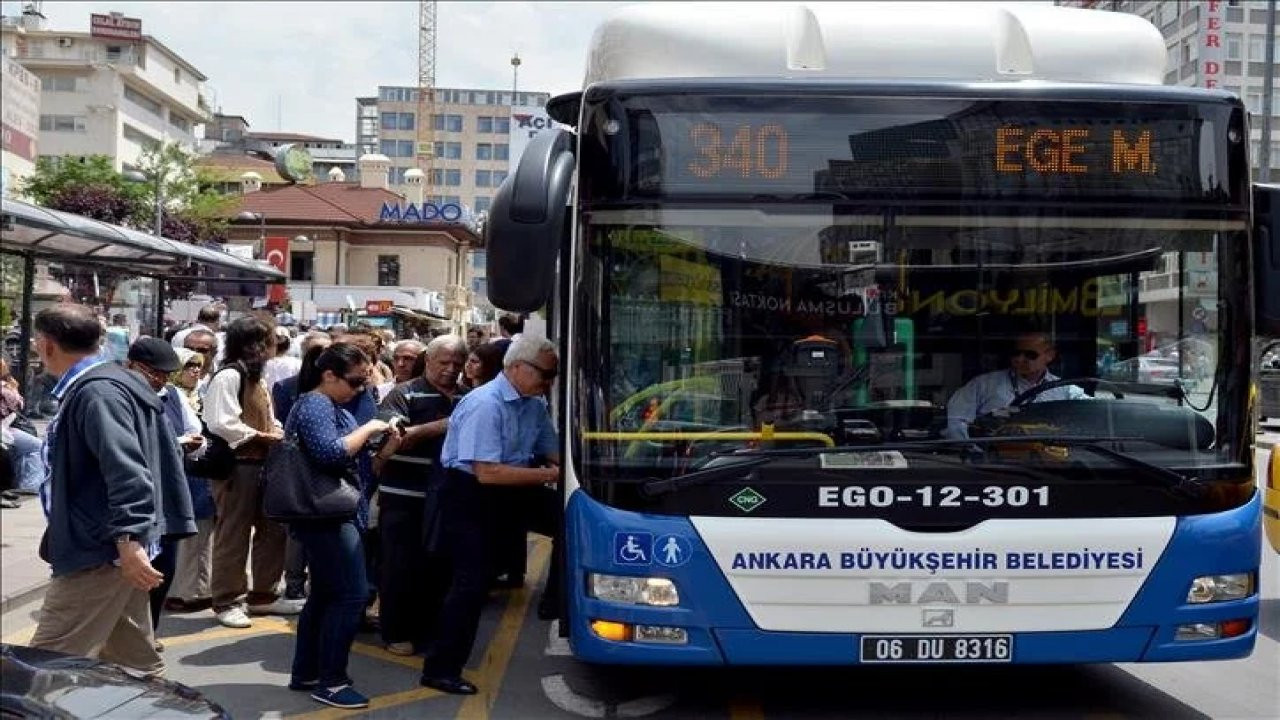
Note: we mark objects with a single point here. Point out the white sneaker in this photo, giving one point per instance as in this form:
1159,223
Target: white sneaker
282,606
234,618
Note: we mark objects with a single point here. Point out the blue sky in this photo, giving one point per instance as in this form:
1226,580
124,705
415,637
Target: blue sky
306,62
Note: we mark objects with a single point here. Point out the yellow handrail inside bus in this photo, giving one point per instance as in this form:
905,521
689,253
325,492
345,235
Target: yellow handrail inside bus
712,436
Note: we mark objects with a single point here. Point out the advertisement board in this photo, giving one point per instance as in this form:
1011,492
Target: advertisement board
20,110
115,27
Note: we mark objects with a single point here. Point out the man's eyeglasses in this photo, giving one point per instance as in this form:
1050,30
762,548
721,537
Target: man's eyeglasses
547,374
1031,355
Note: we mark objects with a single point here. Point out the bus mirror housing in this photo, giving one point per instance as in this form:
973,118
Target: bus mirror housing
1266,260
527,223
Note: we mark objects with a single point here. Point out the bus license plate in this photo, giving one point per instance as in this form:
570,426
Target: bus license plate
936,648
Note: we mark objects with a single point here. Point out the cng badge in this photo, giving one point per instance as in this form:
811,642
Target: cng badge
747,500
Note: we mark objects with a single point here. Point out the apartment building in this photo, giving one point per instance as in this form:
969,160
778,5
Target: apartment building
1214,43
111,91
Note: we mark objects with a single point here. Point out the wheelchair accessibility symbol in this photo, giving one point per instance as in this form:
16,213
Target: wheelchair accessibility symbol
671,550
632,548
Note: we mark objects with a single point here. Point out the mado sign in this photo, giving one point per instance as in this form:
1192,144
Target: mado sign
420,212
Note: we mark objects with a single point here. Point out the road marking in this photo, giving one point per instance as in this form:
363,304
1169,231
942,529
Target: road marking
742,708
374,651
488,677
563,697
260,626
557,646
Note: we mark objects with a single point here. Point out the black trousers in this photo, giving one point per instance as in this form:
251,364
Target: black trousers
462,533
412,583
167,563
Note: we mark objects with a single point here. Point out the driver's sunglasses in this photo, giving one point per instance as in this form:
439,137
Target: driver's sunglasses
357,383
1031,355
547,375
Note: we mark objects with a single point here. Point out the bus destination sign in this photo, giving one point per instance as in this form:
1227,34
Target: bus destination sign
790,148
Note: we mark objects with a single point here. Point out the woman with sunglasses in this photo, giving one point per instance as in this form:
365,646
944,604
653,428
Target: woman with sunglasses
332,439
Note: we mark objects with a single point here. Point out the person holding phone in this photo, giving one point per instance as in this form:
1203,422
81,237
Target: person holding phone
334,442
410,585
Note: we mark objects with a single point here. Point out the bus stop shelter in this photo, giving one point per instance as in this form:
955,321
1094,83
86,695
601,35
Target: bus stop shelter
37,233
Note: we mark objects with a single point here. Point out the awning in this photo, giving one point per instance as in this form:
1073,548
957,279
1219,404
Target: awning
54,235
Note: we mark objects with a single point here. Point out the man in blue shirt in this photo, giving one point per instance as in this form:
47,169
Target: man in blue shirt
1028,368
495,436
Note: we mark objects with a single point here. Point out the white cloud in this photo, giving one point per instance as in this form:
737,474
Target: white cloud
306,62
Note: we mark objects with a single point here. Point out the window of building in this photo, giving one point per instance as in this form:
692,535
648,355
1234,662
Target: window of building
453,178
1172,60
501,151
1253,101
389,120
480,286
479,260
453,151
484,151
404,148
1235,14
114,52
141,100
445,200
302,265
482,205
447,123
62,83
484,124
502,125
483,178
135,135
1234,42
388,270
1256,50
180,122
64,123
405,121
498,177
387,147
437,177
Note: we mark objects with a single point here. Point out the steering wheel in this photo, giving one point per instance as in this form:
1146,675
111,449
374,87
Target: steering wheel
1090,385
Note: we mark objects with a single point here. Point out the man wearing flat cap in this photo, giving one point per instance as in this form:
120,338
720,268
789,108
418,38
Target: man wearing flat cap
156,361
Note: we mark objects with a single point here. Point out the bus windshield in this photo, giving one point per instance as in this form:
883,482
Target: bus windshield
863,326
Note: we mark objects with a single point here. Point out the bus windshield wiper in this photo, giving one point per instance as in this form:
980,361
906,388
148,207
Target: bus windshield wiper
753,458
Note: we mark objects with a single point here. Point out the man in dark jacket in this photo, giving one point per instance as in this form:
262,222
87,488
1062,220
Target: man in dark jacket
115,488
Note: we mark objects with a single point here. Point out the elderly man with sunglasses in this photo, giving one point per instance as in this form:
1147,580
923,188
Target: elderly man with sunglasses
496,436
1028,368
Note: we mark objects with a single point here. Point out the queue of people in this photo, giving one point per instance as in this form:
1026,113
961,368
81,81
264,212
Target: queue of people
443,441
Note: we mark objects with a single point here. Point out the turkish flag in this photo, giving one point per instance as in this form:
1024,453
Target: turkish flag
276,250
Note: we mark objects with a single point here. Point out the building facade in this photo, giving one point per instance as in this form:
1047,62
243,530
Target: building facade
470,130
1218,44
112,91
340,248
20,106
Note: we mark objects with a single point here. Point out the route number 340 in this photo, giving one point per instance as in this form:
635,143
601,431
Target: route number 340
746,150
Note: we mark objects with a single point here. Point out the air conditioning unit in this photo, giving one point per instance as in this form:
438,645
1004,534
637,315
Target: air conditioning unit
65,42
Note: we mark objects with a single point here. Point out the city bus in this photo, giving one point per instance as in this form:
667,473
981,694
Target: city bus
774,241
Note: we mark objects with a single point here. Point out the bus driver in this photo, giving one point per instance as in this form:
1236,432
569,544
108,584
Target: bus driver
1028,368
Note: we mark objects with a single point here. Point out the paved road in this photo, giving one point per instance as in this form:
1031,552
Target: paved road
525,673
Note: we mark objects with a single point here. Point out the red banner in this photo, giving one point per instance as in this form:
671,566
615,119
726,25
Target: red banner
276,250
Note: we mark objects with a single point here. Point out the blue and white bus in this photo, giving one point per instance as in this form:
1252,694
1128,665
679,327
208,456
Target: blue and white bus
775,240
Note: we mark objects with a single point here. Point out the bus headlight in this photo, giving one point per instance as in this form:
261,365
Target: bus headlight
660,592
1219,588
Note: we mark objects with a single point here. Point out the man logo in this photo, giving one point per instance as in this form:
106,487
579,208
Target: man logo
939,618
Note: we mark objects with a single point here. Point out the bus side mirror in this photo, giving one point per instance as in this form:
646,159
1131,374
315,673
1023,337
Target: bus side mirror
527,223
1266,260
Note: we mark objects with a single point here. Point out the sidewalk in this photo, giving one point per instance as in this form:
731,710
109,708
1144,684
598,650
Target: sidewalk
22,572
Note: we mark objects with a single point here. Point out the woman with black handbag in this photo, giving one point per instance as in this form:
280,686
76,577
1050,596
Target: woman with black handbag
335,446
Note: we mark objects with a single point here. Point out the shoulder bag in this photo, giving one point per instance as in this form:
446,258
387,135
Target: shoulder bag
218,459
294,489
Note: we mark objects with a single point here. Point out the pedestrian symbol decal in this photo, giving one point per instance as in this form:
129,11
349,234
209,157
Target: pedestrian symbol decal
671,550
632,548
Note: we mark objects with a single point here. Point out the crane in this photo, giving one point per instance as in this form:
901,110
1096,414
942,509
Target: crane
425,144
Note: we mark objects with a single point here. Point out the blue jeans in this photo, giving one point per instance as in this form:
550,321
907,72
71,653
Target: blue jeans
332,614
28,466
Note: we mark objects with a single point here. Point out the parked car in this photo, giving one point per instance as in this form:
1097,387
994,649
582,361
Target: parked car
43,684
